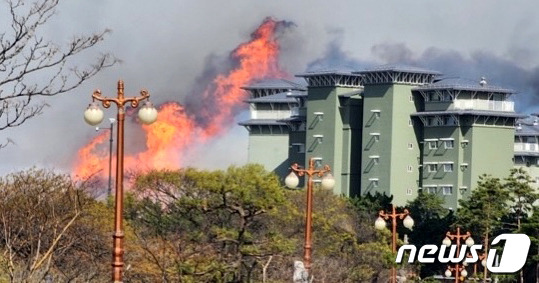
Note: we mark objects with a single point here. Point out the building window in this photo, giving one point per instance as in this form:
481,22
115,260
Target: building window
433,121
432,168
410,168
433,97
447,97
374,182
410,122
447,190
300,147
450,121
448,167
411,98
433,145
409,191
449,144
430,190
410,146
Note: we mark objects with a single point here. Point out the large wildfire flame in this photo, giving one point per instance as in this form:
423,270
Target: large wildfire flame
175,131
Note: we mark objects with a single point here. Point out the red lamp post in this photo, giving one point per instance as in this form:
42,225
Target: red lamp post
292,181
380,224
93,116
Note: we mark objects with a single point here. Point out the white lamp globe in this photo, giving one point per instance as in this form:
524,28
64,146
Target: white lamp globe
484,262
380,223
446,242
447,273
328,182
93,114
291,181
408,222
469,242
147,114
464,273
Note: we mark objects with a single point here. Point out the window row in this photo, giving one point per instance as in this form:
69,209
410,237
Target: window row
448,144
433,167
443,121
432,96
444,189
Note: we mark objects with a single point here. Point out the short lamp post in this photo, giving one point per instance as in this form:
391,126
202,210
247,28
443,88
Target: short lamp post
459,270
93,116
111,132
380,224
292,181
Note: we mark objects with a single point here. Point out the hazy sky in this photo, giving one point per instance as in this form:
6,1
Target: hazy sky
164,46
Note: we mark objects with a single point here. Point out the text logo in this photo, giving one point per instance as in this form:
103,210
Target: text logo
513,257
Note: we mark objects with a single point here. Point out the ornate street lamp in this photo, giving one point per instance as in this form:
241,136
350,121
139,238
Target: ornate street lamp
380,224
292,181
93,116
468,240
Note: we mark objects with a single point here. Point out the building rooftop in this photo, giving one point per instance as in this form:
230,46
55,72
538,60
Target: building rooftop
527,127
281,97
399,68
341,71
255,122
464,84
277,84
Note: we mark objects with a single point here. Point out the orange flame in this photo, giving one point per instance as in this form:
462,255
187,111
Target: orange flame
171,136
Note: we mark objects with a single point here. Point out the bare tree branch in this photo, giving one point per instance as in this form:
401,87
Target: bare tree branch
33,66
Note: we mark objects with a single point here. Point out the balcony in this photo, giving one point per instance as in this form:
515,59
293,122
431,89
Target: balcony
526,147
477,104
270,114
471,104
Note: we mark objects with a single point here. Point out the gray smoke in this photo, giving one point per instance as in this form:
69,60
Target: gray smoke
498,70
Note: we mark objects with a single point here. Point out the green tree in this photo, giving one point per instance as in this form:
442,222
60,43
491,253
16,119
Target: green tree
208,226
240,225
432,221
482,212
522,194
530,227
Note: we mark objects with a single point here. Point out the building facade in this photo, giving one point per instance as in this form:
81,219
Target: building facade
392,129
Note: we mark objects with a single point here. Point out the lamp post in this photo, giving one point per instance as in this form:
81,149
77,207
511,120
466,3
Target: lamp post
111,130
93,116
380,224
292,181
458,269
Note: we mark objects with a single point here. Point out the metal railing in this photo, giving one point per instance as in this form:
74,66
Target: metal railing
478,104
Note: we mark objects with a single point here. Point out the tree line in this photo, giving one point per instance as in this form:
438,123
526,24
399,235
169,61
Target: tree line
236,225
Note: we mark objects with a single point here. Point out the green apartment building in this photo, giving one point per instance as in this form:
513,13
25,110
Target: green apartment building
391,129
527,146
276,124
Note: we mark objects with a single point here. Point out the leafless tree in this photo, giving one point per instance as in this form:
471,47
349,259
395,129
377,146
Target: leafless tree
49,226
32,65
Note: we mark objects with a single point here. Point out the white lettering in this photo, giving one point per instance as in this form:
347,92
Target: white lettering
432,250
452,254
515,252
402,249
473,251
